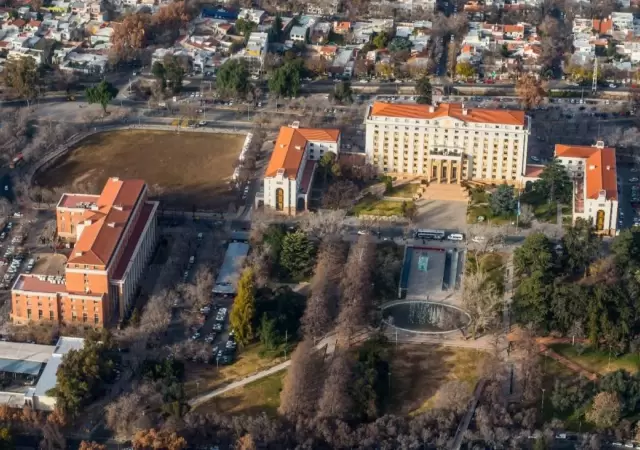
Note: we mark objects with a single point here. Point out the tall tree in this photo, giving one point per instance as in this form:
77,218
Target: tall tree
321,309
356,296
285,81
130,36
580,246
301,389
555,183
424,90
158,70
244,308
296,255
102,94
336,401
233,79
503,201
21,75
342,92
530,91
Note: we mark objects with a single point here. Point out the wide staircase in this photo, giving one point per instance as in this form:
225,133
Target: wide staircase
450,192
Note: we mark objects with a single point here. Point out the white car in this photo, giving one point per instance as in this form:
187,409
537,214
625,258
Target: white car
363,232
478,239
612,86
633,180
202,123
535,159
456,237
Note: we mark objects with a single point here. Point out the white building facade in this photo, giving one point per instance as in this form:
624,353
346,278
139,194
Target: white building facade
448,143
289,175
595,185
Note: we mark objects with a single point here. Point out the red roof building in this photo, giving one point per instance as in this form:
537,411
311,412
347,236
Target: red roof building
114,235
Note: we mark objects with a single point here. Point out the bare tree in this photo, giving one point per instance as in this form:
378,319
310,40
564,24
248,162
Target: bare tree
356,286
157,314
122,413
481,300
301,388
336,399
322,304
324,223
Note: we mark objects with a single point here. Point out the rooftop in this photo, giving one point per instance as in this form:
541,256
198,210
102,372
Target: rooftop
289,149
454,110
134,238
600,168
49,375
35,283
77,200
104,226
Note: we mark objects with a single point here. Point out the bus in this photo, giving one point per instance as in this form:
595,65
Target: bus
430,234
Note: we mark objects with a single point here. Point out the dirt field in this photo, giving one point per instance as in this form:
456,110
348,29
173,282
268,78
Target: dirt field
183,170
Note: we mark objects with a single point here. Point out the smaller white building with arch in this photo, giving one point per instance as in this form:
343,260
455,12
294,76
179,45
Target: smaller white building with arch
289,175
595,185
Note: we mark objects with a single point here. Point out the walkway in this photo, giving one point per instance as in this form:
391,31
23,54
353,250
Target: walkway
329,342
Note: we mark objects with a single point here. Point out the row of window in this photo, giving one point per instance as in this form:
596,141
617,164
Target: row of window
457,124
74,316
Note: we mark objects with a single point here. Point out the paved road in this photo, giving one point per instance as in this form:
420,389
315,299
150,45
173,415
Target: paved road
462,428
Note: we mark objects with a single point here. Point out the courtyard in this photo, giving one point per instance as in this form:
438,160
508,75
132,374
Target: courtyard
185,170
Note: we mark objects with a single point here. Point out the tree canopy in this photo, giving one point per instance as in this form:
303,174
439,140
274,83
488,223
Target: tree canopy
342,92
424,90
21,74
244,308
285,80
233,79
102,94
503,201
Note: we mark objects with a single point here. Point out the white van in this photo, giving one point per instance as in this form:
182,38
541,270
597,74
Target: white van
455,237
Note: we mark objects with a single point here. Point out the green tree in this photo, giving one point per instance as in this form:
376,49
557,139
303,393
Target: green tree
285,80
399,44
424,90
160,73
465,70
245,27
380,40
535,254
297,255
244,308
342,92
174,73
6,440
275,32
580,247
233,79
554,183
21,74
267,332
102,93
82,374
503,201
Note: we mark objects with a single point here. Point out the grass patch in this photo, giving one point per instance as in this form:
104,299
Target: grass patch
491,263
479,196
479,206
407,190
182,170
370,205
251,359
418,371
260,396
597,361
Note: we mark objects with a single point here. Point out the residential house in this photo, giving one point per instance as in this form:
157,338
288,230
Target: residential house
255,52
341,27
253,15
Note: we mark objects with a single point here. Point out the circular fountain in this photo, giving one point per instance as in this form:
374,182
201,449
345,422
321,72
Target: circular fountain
424,317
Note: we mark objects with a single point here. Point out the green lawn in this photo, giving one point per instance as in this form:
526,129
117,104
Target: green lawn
479,207
597,360
373,206
407,190
260,396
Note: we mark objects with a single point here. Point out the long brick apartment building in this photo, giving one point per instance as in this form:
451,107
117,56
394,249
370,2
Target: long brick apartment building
114,237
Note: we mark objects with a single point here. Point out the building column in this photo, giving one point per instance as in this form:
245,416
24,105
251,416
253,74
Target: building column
429,169
439,171
449,171
459,176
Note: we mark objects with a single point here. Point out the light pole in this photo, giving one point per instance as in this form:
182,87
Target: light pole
542,407
197,388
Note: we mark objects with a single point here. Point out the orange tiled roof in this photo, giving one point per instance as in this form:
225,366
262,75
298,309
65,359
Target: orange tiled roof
342,26
99,239
514,29
415,111
19,23
290,145
600,168
603,26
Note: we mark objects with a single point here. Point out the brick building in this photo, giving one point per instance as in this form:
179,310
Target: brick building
114,236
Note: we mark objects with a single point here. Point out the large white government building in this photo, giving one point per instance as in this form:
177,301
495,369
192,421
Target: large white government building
448,143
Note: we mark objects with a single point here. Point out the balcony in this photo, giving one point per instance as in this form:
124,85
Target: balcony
451,154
